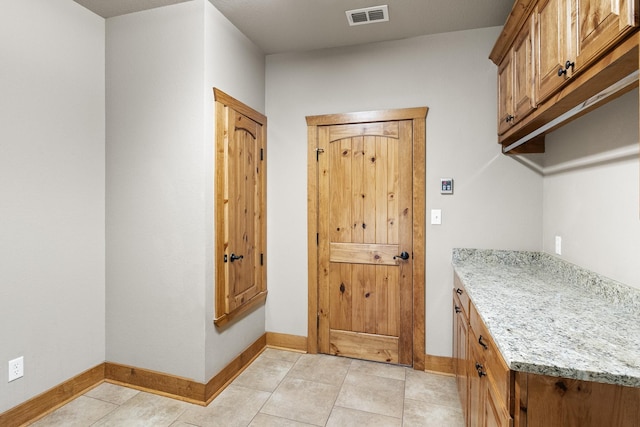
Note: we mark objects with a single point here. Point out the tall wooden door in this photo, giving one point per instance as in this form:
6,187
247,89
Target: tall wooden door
240,207
365,240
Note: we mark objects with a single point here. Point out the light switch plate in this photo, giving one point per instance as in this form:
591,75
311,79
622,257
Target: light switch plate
436,216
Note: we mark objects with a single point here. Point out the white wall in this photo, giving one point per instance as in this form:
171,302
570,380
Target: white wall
236,66
496,202
591,191
52,177
161,67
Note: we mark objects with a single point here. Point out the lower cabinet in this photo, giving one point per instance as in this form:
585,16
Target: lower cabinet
494,396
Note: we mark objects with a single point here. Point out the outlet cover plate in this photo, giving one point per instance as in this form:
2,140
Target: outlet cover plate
16,368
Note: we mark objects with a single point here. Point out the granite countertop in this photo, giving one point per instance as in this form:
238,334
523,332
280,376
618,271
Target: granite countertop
550,317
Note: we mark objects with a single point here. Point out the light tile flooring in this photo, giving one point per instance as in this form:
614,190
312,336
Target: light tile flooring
282,388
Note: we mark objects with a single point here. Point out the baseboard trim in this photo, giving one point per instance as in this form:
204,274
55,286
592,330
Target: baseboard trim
137,378
287,342
53,398
439,364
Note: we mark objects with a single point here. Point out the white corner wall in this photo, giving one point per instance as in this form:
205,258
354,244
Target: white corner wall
591,191
156,234
236,66
52,178
161,67
496,202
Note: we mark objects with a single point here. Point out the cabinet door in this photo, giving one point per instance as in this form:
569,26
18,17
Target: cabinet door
552,45
495,413
477,387
460,346
505,94
523,71
600,23
240,223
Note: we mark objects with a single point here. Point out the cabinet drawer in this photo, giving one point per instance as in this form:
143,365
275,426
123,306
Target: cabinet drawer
461,293
495,367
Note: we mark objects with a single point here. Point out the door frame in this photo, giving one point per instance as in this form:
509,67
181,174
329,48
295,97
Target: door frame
418,115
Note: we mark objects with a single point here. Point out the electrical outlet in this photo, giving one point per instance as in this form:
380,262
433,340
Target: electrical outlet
16,368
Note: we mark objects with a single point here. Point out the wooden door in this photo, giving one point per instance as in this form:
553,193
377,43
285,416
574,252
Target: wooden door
240,208
505,94
600,24
524,71
365,225
552,45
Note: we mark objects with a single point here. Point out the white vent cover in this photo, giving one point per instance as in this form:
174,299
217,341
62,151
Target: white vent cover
368,15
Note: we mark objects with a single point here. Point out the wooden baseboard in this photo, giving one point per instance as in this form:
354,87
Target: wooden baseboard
52,399
287,342
439,364
220,381
138,378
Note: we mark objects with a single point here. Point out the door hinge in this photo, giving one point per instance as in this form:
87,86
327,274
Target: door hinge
261,259
317,239
262,154
318,152
318,321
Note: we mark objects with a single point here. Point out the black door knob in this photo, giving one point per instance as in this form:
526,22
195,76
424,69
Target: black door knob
235,257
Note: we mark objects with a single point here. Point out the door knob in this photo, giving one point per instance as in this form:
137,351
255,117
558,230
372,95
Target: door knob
403,255
235,257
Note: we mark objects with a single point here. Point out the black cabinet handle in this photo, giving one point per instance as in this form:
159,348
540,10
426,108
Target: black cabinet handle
561,71
569,64
458,310
482,343
235,257
509,118
459,291
480,368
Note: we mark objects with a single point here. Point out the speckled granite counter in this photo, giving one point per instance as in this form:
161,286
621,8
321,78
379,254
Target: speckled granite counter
553,318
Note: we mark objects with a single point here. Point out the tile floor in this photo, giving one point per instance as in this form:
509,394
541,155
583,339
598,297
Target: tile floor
282,388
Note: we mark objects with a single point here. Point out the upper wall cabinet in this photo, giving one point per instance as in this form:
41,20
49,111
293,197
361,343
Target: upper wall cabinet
553,55
516,89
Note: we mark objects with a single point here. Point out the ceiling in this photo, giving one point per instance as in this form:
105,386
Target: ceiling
278,26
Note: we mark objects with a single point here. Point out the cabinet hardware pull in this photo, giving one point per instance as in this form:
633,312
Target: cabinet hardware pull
482,343
569,64
459,291
509,118
561,72
403,255
458,310
235,257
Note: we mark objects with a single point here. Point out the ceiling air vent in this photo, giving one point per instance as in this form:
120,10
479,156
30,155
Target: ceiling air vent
368,15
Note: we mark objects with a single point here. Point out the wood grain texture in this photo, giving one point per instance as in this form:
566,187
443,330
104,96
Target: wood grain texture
519,13
556,402
364,346
615,65
287,341
361,280
439,364
240,209
53,398
364,253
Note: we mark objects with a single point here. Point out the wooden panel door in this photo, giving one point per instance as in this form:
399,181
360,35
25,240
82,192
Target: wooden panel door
600,24
365,240
552,45
240,208
505,94
524,71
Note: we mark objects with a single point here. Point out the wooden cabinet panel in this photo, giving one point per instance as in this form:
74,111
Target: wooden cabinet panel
240,196
460,346
495,411
505,94
552,45
524,99
600,24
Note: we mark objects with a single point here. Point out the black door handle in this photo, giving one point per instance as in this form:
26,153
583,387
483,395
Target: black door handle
403,255
235,257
